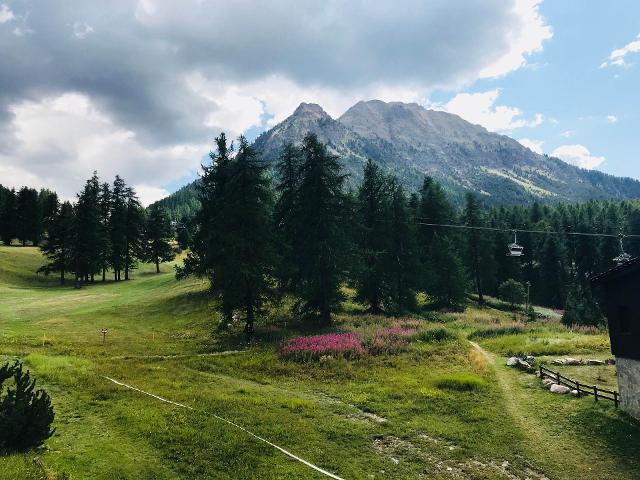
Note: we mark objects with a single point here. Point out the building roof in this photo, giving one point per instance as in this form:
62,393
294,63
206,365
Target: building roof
616,272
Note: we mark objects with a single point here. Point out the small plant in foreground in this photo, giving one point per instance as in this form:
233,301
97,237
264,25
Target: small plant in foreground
343,345
26,414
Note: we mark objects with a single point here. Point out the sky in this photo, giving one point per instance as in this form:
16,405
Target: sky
141,88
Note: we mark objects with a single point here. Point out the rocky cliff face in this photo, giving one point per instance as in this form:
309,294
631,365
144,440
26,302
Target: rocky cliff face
410,142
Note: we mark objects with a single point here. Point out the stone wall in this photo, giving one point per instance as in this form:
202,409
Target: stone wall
629,385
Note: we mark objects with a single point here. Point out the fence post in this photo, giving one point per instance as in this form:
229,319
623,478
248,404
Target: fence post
558,378
595,392
615,398
578,388
541,375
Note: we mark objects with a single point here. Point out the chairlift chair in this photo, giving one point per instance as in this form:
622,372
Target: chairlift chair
624,257
513,249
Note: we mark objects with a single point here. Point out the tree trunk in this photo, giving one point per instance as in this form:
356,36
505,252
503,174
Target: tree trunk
157,265
62,276
325,310
104,273
248,326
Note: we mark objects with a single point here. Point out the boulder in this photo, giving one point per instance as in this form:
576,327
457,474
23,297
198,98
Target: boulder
575,393
530,359
547,382
522,365
556,388
513,362
567,361
592,361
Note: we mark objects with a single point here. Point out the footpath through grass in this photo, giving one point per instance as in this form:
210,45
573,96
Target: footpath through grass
438,408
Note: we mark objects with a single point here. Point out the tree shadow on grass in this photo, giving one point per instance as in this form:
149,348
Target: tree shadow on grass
614,430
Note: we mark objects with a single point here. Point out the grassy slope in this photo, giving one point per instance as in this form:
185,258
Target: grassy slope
318,411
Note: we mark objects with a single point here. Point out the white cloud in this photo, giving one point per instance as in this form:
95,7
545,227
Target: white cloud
60,140
6,15
533,145
618,56
612,119
149,194
158,82
481,108
523,41
568,133
81,29
578,155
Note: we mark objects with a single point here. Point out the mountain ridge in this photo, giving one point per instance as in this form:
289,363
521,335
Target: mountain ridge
410,141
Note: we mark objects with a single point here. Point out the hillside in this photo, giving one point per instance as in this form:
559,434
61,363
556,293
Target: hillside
409,141
437,409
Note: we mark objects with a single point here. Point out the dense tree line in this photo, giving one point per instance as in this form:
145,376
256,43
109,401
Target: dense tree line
307,236
24,214
106,229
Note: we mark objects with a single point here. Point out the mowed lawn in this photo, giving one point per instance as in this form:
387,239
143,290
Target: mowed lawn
441,409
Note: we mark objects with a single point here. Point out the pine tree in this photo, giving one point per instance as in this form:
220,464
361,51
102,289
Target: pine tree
247,256
286,216
29,216
401,259
322,240
58,242
447,283
26,414
475,243
104,235
433,208
157,236
85,251
372,284
117,228
233,244
8,217
134,229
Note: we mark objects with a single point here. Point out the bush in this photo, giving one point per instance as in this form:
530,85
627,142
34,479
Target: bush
460,382
435,335
512,292
25,415
497,331
342,345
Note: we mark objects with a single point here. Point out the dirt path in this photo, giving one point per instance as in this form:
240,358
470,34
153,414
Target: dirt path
551,448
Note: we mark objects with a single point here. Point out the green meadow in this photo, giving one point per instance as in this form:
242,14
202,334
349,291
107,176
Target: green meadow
442,408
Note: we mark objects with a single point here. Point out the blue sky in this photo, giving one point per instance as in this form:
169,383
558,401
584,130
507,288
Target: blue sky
577,97
141,87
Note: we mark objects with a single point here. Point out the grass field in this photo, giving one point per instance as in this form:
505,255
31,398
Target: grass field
440,409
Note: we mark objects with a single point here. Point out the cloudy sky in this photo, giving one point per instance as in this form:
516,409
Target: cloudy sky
142,87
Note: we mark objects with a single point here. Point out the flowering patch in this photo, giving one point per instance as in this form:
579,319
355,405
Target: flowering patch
345,345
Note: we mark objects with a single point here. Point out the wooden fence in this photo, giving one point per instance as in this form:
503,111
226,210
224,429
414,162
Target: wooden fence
598,393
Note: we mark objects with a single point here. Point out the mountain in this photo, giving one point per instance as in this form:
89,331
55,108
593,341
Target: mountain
409,141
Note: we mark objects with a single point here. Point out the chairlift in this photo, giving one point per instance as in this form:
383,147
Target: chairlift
515,250
624,257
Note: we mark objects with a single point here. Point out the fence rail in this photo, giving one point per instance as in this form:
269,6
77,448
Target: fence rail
598,393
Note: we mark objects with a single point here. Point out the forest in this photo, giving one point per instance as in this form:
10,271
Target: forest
305,235
106,229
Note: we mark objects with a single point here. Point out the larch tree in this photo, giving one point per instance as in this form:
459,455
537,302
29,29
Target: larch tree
8,217
373,208
157,237
321,261
57,246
